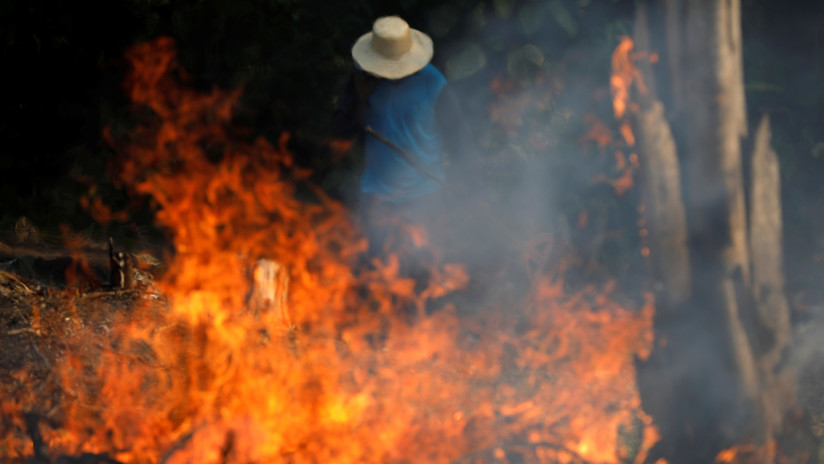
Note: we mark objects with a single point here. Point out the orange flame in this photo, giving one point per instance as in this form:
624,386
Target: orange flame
624,74
751,453
197,377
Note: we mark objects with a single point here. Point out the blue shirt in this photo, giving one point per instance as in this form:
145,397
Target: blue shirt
403,111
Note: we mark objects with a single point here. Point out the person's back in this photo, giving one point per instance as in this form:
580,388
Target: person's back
403,111
409,119
406,111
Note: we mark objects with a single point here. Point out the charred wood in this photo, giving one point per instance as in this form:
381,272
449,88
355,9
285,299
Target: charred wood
122,268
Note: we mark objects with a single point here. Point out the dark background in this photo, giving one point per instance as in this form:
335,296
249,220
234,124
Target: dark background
530,100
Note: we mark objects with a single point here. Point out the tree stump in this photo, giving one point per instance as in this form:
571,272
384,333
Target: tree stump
269,290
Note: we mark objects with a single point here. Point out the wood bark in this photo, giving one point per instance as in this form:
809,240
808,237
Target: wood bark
716,195
766,236
674,19
121,265
660,183
715,377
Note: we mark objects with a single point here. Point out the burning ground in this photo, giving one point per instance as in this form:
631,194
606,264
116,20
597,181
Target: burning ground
359,363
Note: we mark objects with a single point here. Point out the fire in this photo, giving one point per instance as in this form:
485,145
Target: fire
624,74
750,453
350,377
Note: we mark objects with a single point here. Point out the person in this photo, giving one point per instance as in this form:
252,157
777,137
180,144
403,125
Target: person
409,119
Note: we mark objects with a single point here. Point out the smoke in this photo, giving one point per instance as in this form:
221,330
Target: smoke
530,80
527,75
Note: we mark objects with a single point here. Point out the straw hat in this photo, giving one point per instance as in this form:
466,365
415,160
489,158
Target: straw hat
392,50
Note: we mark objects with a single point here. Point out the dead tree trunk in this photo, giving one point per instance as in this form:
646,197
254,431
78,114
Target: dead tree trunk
714,379
778,386
661,184
716,198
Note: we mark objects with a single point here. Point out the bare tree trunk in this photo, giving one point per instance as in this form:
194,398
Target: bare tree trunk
703,365
713,158
715,377
716,125
674,14
661,183
768,278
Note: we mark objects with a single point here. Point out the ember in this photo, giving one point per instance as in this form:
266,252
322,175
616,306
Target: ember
198,376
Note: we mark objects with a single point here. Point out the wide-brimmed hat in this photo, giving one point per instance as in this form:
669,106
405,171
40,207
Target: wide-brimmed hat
392,50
